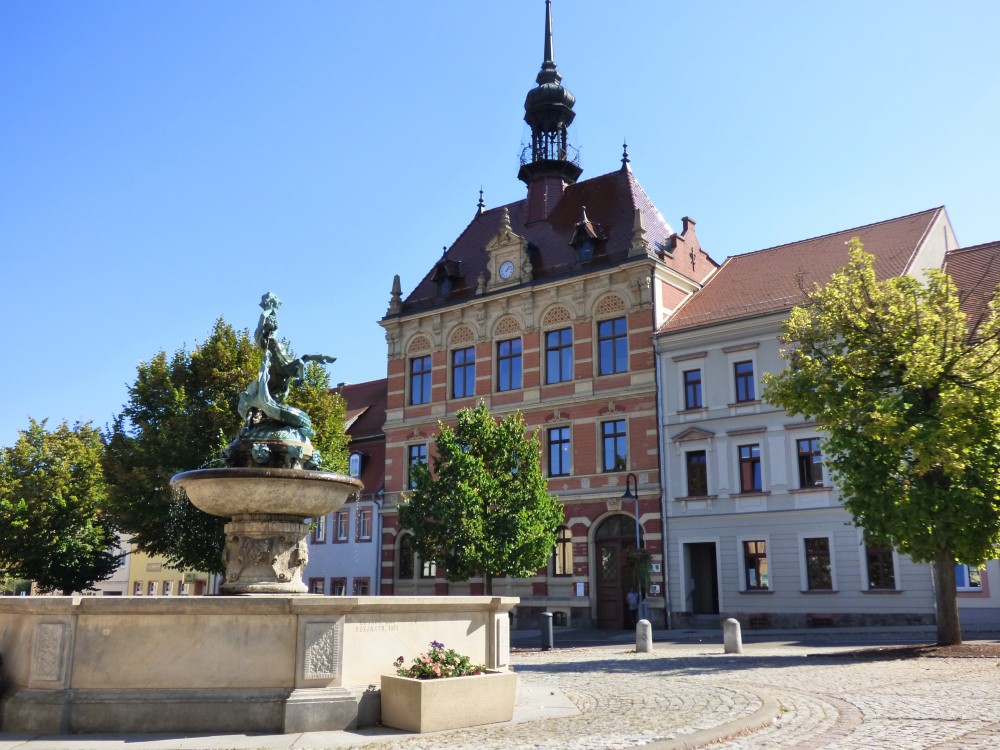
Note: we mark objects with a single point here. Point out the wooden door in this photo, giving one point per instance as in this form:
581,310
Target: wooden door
610,598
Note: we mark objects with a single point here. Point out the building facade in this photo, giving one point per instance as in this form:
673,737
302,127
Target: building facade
548,306
976,273
755,526
344,545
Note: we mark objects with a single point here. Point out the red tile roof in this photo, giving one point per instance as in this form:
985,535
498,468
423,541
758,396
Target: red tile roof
610,200
366,404
772,280
365,417
976,273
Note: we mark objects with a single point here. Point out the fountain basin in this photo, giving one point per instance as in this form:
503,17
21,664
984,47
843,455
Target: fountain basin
286,492
266,550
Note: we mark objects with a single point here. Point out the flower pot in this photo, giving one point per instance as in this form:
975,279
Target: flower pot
449,703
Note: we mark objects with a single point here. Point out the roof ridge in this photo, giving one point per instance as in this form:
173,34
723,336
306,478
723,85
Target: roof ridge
363,382
980,246
831,234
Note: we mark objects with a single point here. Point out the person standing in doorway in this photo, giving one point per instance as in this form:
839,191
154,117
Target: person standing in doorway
632,599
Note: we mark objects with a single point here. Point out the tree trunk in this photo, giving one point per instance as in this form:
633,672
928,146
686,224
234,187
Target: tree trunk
488,584
949,630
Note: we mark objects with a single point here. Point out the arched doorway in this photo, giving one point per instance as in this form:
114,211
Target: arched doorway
615,535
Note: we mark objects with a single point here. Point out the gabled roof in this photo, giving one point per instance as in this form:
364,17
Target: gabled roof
976,273
773,280
365,417
366,404
611,201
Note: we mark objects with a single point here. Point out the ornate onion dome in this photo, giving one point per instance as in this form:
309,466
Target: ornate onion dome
548,110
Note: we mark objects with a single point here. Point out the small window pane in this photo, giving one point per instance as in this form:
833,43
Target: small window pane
697,473
755,565
692,389
745,389
559,355
612,346
819,572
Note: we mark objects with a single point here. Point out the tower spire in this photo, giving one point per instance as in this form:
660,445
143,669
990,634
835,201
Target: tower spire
550,162
548,61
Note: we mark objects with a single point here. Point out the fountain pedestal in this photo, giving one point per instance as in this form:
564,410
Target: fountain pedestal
265,554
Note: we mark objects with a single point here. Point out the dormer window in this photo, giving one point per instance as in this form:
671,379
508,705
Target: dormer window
585,238
446,273
354,467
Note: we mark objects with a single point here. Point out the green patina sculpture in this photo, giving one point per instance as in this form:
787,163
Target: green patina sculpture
275,434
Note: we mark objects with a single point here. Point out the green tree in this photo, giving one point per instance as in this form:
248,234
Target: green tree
181,413
910,404
326,409
485,510
53,529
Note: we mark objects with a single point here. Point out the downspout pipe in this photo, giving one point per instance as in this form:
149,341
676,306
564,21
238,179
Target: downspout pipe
661,451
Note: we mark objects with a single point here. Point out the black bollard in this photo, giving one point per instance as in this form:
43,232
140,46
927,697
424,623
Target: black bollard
546,631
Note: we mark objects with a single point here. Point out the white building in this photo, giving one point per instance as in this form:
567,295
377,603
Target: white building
755,528
344,546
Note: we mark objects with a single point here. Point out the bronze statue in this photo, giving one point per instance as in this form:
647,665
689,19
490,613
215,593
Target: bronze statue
275,433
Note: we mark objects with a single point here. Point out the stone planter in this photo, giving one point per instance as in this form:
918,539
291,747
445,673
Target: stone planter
450,703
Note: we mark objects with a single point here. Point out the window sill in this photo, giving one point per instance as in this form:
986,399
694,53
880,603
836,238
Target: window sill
752,493
817,488
891,592
696,497
757,592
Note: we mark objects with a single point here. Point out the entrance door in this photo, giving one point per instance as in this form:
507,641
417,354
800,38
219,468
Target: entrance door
613,578
703,583
610,599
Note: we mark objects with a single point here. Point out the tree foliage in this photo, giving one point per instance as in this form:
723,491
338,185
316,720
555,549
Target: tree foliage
485,509
910,406
181,413
327,410
53,528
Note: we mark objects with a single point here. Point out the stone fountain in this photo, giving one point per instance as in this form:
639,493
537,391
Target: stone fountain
262,657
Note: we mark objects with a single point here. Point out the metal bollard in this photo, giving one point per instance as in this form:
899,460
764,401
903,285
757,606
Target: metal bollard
546,631
732,637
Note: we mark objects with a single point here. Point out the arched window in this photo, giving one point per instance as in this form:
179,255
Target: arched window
406,557
563,554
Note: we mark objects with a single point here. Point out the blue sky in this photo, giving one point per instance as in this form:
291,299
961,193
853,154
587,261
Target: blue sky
163,163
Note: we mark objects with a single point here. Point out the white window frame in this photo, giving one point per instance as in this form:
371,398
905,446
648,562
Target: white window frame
740,555
863,565
742,353
343,534
319,532
804,569
365,525
967,589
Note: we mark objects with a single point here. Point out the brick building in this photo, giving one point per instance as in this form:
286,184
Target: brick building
547,305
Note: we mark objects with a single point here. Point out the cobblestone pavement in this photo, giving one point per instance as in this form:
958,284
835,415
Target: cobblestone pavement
686,695
801,698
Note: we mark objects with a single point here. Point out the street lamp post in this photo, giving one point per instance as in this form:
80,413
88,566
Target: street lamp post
632,481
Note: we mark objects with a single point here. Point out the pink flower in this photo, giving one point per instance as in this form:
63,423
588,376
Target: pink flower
425,658
437,670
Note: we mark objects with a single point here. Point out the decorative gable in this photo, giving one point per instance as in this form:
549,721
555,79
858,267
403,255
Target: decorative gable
508,263
692,433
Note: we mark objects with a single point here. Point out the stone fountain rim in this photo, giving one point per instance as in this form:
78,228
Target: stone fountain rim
265,474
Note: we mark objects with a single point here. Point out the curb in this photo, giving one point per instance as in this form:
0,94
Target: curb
762,717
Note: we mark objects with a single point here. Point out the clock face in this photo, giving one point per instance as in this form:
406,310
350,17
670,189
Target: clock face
506,269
